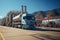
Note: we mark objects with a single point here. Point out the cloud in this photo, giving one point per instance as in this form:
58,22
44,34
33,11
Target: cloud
1,17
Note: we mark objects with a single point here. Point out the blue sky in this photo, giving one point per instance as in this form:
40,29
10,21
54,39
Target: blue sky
32,5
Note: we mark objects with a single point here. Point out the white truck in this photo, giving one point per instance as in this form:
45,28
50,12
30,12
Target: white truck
51,23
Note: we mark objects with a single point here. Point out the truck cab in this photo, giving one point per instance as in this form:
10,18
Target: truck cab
28,21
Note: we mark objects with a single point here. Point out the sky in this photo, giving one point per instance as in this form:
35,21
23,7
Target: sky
32,5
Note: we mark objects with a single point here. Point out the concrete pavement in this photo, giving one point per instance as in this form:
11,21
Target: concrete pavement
1,38
10,33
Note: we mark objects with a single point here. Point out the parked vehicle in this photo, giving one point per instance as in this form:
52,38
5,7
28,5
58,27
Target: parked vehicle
28,21
51,23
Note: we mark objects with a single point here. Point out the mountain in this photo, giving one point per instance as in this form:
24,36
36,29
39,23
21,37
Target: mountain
48,13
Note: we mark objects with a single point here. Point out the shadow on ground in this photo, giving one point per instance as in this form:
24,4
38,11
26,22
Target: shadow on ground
45,37
40,29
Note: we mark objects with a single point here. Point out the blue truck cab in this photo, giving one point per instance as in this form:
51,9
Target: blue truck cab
28,21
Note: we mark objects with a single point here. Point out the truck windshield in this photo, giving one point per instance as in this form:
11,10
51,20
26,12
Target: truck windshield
29,17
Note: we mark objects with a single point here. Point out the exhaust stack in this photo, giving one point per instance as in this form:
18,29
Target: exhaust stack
24,10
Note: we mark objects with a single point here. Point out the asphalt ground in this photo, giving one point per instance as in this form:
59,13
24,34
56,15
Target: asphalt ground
9,33
1,38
